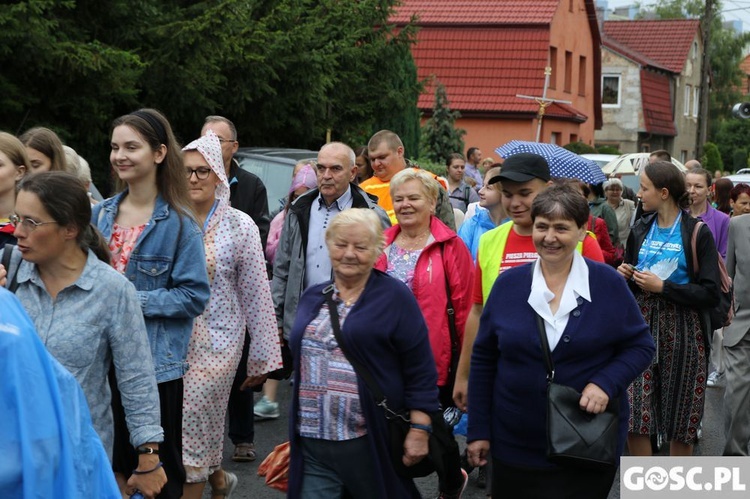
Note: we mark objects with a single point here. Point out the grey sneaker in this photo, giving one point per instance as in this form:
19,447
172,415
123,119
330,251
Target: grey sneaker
265,409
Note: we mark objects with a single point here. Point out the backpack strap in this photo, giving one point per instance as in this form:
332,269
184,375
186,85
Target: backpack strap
694,247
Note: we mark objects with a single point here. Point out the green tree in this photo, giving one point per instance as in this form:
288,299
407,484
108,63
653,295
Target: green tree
732,135
400,113
285,71
711,159
739,159
725,54
440,137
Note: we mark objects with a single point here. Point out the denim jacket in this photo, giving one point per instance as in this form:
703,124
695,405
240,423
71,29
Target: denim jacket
167,267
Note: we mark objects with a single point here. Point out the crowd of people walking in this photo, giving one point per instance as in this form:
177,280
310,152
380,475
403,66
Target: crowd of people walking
383,290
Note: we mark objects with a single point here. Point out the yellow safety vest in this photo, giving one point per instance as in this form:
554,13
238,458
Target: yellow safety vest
490,256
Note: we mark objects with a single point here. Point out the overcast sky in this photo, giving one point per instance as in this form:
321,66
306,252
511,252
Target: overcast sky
731,9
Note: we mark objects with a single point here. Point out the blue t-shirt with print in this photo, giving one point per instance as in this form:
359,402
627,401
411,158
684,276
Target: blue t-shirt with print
663,255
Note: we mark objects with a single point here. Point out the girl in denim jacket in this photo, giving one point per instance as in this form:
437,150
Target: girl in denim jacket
157,245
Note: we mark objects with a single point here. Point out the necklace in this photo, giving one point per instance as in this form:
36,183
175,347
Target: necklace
414,243
348,302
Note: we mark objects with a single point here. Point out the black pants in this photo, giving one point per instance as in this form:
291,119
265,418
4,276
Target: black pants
124,457
453,479
558,483
240,409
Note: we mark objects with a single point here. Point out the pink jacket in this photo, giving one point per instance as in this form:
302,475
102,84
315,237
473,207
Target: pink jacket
429,287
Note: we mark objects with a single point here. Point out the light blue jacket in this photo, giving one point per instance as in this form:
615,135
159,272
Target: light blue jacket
473,228
47,442
167,267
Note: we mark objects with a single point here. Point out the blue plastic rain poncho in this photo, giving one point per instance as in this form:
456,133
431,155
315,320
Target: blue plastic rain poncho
48,447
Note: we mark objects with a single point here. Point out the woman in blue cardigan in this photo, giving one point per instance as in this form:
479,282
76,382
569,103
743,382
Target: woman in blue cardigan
345,451
599,357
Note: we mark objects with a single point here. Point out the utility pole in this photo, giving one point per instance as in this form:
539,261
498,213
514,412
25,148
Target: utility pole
706,22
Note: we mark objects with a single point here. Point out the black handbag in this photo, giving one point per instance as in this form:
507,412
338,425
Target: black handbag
441,441
577,438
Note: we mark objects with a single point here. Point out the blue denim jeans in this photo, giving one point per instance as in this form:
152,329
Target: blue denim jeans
333,470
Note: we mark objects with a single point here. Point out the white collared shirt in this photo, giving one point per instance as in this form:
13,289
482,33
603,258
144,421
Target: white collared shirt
576,286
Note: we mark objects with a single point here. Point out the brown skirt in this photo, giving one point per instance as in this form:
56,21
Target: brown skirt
669,396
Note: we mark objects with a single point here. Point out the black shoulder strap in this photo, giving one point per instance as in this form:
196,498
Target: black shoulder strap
12,274
360,369
545,349
455,351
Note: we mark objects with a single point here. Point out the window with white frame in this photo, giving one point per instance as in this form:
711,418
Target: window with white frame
686,107
696,101
610,90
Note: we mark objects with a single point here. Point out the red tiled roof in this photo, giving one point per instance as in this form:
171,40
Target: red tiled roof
666,41
486,12
657,108
481,69
629,53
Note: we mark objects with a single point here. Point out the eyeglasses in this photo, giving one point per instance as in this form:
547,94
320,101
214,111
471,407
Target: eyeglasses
227,140
201,173
28,223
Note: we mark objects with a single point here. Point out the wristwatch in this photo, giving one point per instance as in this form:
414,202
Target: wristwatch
147,450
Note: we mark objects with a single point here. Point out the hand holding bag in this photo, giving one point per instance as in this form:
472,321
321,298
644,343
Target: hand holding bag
575,437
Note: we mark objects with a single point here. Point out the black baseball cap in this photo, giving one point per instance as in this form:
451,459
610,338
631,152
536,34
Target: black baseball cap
523,167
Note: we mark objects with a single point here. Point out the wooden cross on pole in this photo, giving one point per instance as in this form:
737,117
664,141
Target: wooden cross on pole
543,101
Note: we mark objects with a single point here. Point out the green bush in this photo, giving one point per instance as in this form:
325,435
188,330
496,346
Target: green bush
711,159
429,165
608,150
579,148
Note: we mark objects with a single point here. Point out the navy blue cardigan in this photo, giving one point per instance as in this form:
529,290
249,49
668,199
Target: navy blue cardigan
386,332
606,342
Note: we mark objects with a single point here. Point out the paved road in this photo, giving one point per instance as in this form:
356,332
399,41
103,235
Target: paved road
270,433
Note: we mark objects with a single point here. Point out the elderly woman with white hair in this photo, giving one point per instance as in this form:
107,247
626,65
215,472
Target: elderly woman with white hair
345,452
624,208
240,299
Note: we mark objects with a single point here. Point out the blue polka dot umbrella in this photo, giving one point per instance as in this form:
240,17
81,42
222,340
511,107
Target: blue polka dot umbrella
562,163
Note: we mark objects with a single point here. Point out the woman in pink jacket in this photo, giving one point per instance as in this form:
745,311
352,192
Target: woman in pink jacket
427,256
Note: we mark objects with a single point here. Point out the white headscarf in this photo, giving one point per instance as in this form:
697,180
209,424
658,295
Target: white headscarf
210,147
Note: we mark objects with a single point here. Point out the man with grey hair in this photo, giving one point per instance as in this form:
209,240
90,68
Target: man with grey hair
302,258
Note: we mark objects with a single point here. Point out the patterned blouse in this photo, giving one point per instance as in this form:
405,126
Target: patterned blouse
401,264
121,244
329,407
